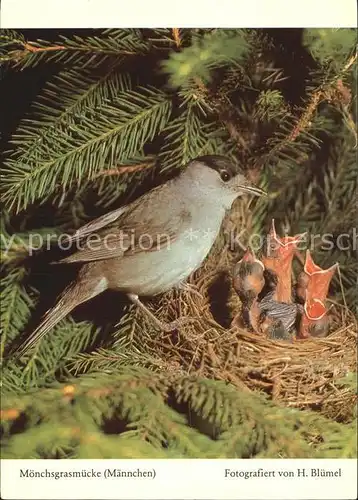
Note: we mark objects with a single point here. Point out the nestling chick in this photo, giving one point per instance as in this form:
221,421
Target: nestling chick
277,256
301,286
315,320
274,329
248,277
153,244
313,281
278,319
248,281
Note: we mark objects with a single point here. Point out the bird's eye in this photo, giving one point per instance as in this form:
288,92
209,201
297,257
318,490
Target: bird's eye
225,176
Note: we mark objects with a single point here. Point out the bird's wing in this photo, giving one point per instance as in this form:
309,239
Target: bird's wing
98,223
287,313
150,223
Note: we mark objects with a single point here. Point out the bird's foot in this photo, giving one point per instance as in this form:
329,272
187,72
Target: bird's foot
190,288
176,324
166,327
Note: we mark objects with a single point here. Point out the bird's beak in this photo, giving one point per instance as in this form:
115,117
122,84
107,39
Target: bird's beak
315,309
250,257
318,279
248,187
279,260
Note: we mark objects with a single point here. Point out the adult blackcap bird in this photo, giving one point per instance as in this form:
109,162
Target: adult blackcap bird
154,243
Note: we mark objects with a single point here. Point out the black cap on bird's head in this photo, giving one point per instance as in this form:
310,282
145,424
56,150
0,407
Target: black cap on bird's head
221,163
230,173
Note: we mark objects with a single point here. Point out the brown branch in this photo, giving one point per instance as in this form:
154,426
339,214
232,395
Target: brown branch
222,112
123,169
233,132
343,97
176,36
344,94
31,48
350,63
304,122
319,96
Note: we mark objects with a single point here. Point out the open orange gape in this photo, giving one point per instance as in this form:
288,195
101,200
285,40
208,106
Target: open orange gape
270,304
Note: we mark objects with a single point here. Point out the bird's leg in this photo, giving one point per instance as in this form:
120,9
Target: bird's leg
166,327
190,288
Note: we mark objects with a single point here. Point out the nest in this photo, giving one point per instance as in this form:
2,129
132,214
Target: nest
305,374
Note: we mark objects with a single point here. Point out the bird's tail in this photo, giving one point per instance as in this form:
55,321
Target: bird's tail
68,300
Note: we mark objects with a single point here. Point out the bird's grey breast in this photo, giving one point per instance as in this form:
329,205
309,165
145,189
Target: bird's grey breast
156,271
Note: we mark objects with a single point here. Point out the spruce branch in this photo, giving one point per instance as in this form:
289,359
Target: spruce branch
185,137
16,306
164,39
129,348
222,108
109,360
115,132
50,357
77,51
61,104
243,424
318,96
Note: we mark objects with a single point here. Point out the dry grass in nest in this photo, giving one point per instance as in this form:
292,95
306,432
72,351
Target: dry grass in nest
304,374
